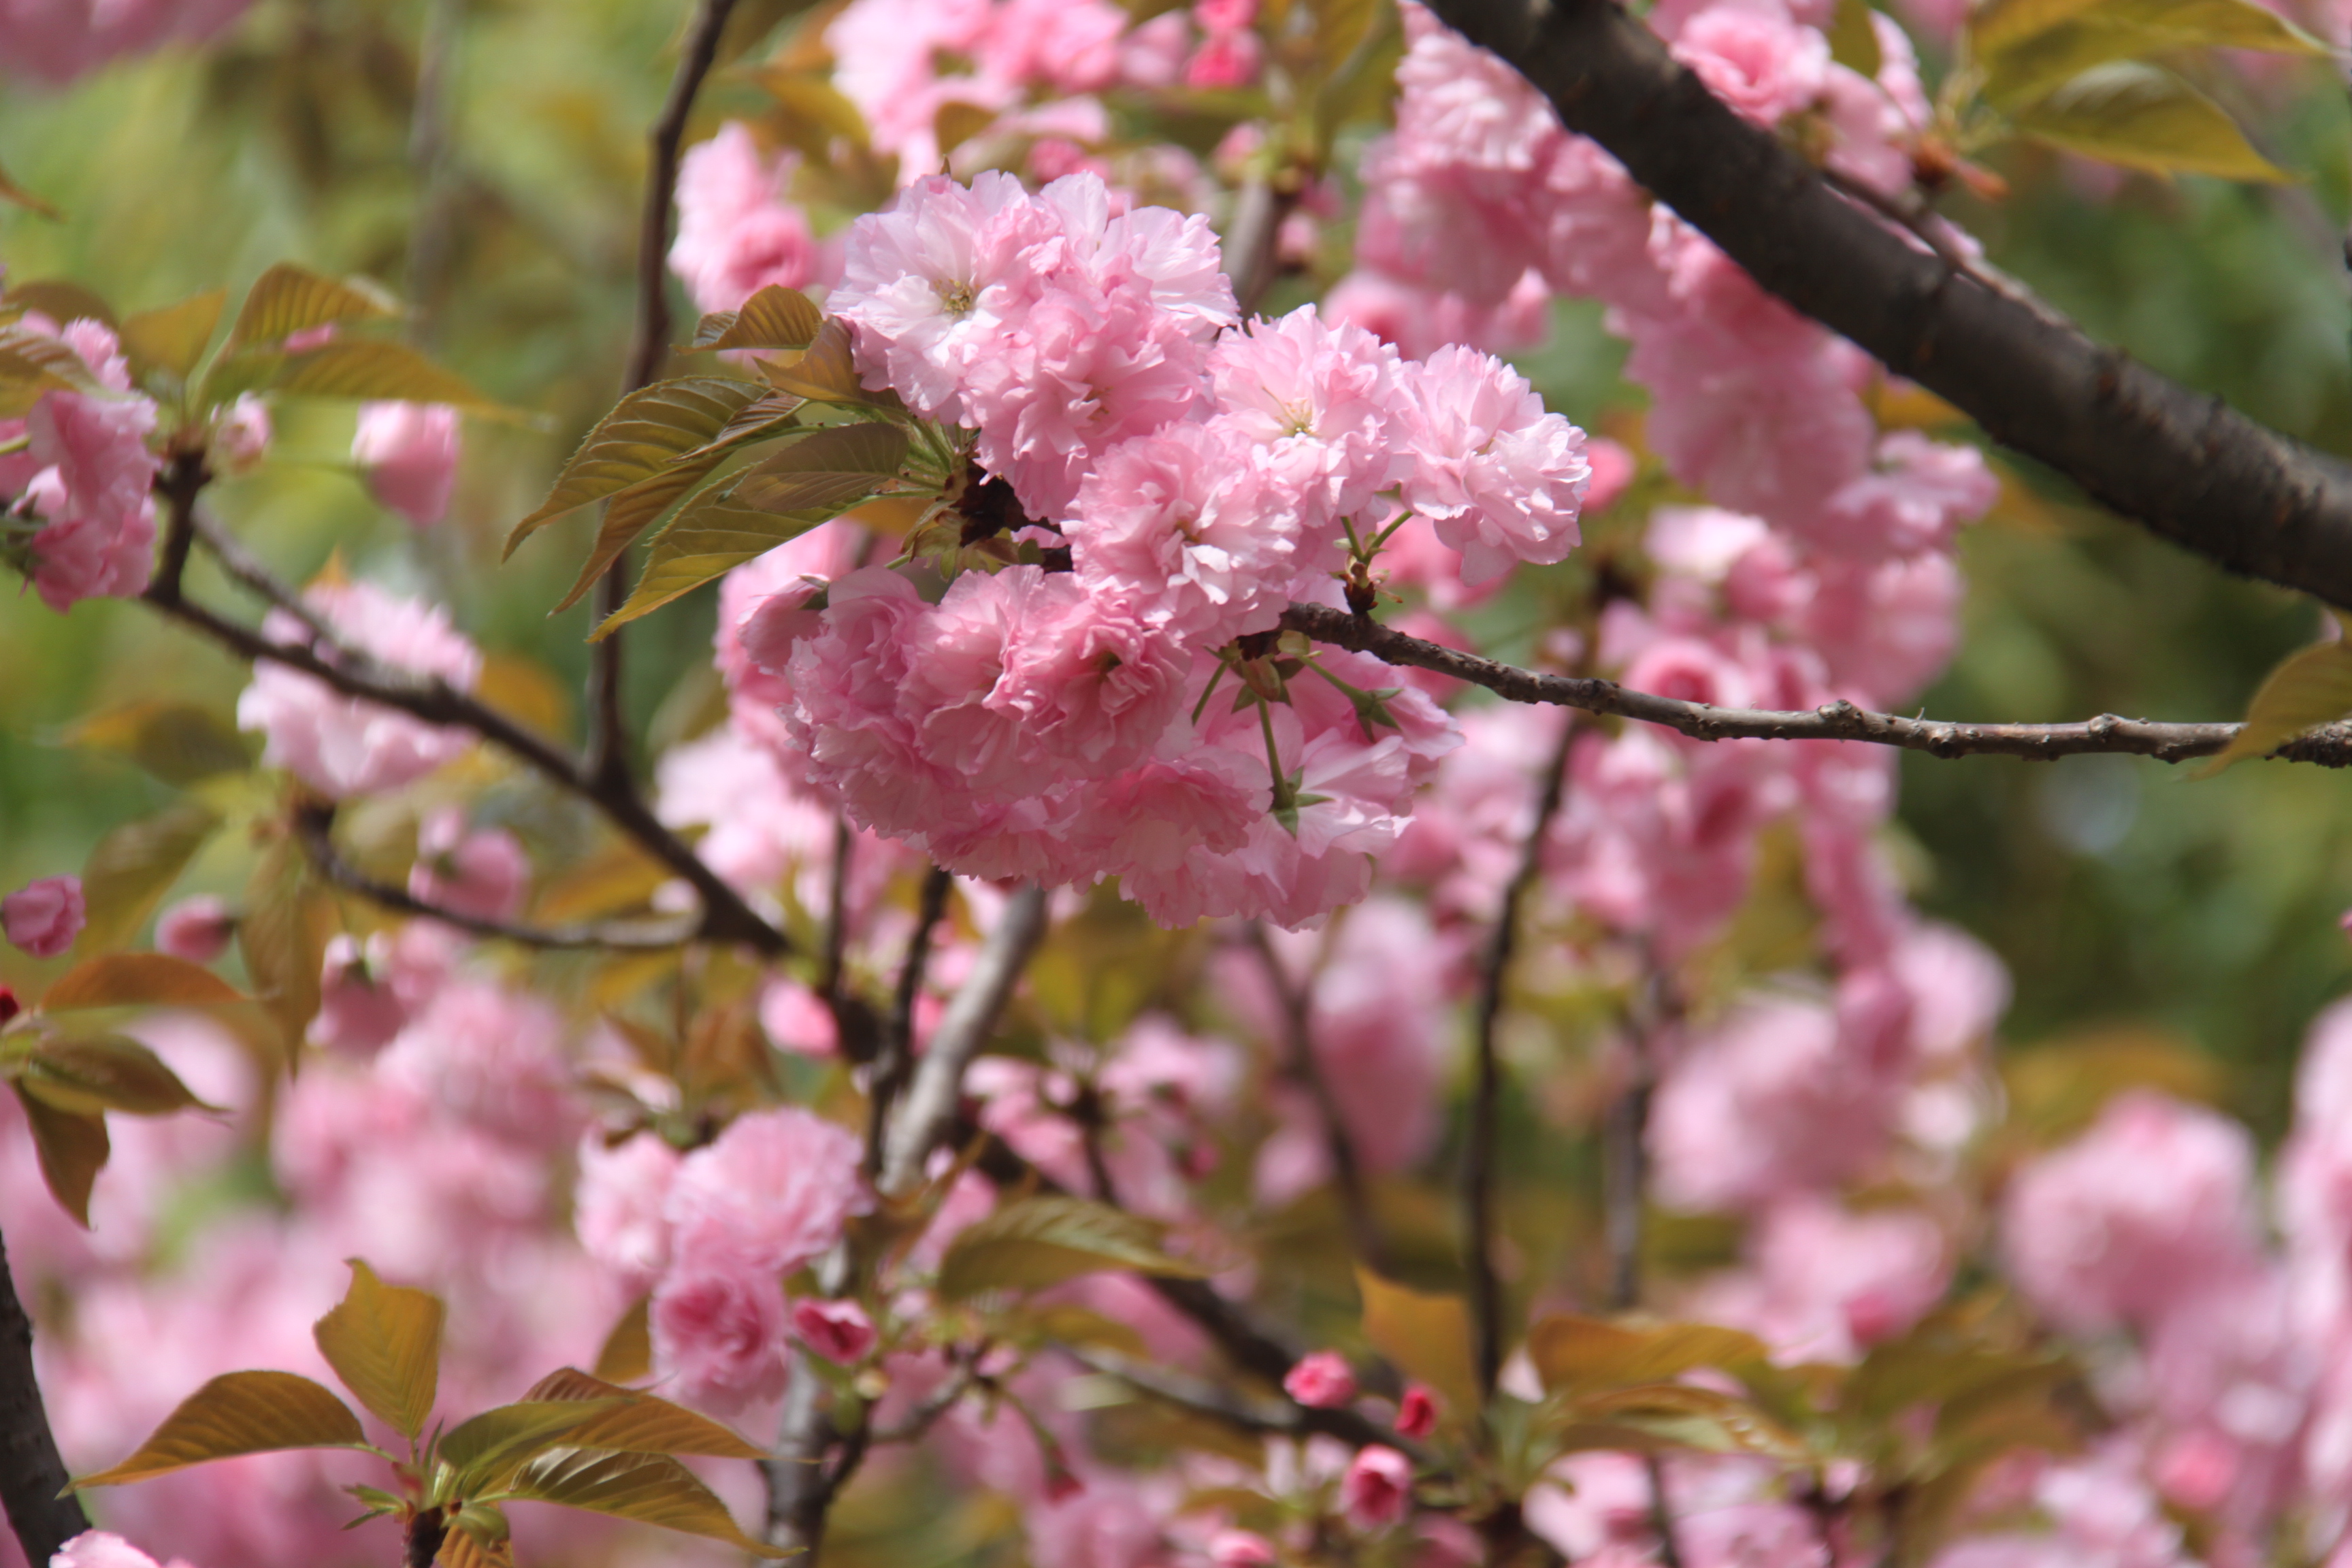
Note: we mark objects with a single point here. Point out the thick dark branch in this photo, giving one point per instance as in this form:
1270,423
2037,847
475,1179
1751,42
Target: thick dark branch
725,915
2178,461
608,744
1298,1031
2329,745
1479,1151
895,1057
31,1472
314,824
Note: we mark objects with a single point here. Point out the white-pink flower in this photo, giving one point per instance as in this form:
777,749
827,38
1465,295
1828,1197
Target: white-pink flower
718,1326
42,918
774,1191
1503,479
408,454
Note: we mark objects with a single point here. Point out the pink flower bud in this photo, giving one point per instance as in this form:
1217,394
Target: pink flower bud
482,874
1322,1381
359,1010
241,438
98,1549
1416,1412
195,929
410,453
43,918
1240,1549
309,339
837,1330
1377,1489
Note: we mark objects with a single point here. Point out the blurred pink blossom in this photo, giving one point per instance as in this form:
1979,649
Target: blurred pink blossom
408,452
42,918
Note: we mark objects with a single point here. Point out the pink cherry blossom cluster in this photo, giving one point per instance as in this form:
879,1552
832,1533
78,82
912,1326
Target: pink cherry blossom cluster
739,230
54,41
1059,725
75,511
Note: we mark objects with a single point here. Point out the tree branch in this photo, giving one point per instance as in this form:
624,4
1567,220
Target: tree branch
2330,745
31,1472
1478,1142
2179,462
608,746
1298,1032
896,1056
726,918
928,1113
314,824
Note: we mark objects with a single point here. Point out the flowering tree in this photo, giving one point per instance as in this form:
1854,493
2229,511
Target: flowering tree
1247,944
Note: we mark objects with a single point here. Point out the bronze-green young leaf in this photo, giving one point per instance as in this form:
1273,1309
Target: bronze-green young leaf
2134,29
640,1423
32,366
72,1147
629,1351
646,432
2307,689
239,1413
58,299
774,317
283,935
1038,1242
1573,1353
138,980
179,743
826,373
651,1488
384,1342
172,338
1423,1336
485,1450
1658,1416
2143,117
289,298
711,537
374,369
92,1074
130,869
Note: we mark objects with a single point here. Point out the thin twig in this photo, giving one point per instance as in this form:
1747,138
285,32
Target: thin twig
1478,1239
895,1057
608,747
314,827
926,1114
245,568
2330,745
1298,1038
726,918
918,1421
32,1473
1625,1178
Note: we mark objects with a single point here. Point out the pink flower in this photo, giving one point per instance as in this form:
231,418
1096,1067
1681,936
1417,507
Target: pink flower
1417,1411
484,874
2155,1199
1761,64
1240,1549
618,1209
42,918
737,232
90,487
1320,403
55,43
341,746
1322,1381
409,454
1378,1488
718,1327
241,438
1224,59
774,1191
1502,480
198,928
837,1330
96,1549
360,1009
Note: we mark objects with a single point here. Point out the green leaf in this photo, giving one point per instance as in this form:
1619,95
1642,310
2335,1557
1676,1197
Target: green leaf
770,415
705,541
378,371
834,468
644,433
628,1352
639,1423
2005,23
283,936
2133,29
814,112
384,1342
1656,1415
957,122
92,1074
32,366
10,191
239,1413
2143,117
2307,689
289,298
1038,1242
1853,40
826,373
1425,1337
171,339
179,743
629,515
1340,28
132,867
479,1540
1573,1353
651,1488
72,1148
774,317
138,980
485,1451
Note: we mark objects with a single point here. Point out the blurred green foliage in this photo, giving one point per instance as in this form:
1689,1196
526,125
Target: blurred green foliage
2118,892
